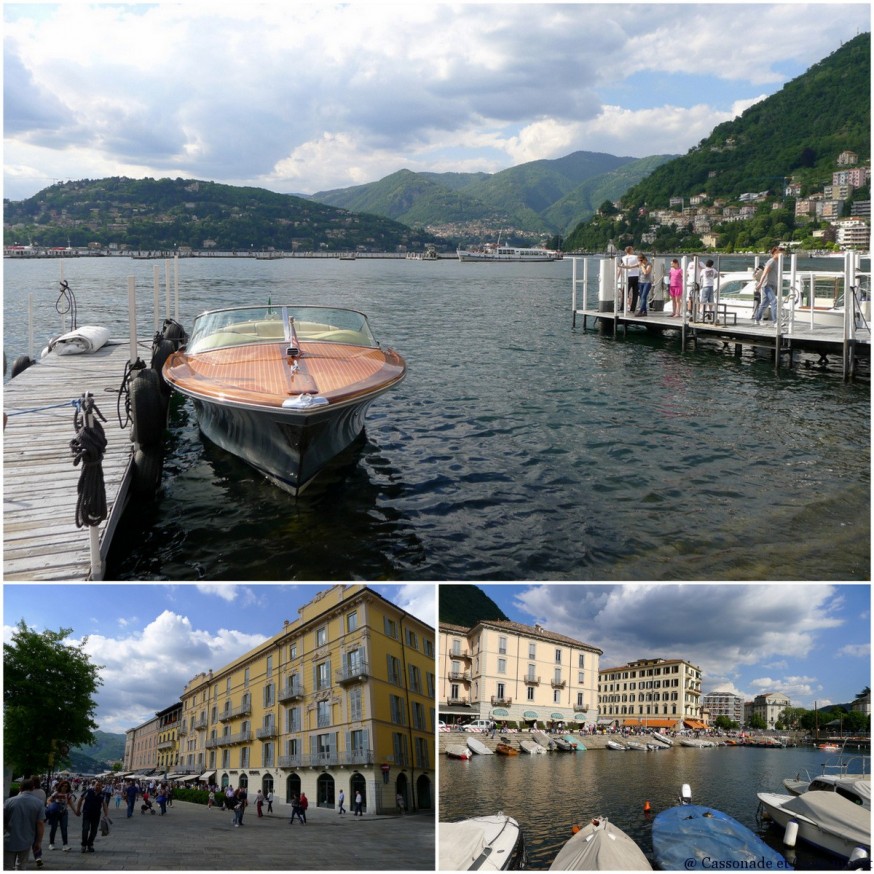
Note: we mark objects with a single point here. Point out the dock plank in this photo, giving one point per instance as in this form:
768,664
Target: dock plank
40,482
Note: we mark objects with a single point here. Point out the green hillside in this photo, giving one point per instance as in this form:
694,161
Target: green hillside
164,214
466,605
98,756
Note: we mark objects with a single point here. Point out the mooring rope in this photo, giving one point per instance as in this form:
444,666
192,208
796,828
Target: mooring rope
74,403
88,447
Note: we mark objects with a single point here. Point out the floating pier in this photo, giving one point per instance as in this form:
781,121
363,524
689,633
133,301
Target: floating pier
596,297
41,540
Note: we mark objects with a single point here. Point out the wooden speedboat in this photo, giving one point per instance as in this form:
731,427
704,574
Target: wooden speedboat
506,750
285,388
600,846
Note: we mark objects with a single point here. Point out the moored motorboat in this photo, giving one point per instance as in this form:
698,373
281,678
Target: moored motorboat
482,843
575,742
478,747
543,739
457,751
615,745
285,388
824,819
563,745
690,836
663,738
529,746
635,745
503,749
600,846
856,790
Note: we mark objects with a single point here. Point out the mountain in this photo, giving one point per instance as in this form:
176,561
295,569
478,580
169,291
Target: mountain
526,201
466,605
98,756
795,134
164,214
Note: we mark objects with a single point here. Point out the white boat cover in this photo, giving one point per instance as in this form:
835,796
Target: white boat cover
478,747
530,747
462,844
88,338
600,846
543,739
457,751
832,813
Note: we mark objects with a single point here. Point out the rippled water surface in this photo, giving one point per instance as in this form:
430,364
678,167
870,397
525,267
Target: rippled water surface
548,794
517,447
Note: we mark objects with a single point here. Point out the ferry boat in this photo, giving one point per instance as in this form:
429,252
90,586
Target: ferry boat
503,252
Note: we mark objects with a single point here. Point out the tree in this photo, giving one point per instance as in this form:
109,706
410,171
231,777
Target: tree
48,703
726,723
757,721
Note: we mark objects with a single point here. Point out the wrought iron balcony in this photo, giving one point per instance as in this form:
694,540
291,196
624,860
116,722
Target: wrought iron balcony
462,701
464,676
181,731
356,757
165,745
531,680
459,654
501,702
234,712
558,684
290,691
266,731
354,673
294,761
199,724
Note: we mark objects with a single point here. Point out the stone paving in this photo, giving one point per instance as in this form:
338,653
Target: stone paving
191,837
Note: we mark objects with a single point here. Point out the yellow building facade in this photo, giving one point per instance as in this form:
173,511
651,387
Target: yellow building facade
341,698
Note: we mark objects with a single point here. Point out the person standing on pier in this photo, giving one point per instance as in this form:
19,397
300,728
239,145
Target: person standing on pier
676,288
768,285
645,283
708,279
631,266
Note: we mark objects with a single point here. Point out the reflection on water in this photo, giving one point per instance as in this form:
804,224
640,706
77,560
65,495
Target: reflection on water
517,447
549,794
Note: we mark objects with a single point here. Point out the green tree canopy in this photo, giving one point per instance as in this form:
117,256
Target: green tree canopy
48,698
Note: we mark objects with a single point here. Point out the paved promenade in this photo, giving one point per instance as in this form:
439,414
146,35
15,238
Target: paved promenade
191,837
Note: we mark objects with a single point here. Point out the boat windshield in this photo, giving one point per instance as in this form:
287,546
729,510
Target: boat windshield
273,324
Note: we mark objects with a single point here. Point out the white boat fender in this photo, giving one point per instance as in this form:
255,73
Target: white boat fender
686,794
790,836
859,860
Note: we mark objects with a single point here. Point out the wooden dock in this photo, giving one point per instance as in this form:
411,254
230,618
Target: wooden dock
822,340
40,482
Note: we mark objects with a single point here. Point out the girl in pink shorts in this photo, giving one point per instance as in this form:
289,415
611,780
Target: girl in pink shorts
676,287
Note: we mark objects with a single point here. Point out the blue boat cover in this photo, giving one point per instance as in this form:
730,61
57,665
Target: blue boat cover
691,837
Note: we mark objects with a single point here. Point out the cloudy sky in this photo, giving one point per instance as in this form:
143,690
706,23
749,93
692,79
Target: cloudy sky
301,97
152,639
811,642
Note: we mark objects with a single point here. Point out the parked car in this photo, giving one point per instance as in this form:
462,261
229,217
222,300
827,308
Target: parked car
478,725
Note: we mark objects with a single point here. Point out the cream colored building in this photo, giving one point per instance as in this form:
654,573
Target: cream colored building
343,697
504,670
659,693
724,704
769,706
141,747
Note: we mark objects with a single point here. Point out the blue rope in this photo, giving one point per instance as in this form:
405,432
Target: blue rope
74,403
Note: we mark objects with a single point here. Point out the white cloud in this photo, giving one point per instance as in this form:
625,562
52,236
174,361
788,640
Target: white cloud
856,650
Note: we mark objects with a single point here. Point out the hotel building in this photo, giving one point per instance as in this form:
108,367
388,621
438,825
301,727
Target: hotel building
659,693
504,670
341,698
724,704
769,706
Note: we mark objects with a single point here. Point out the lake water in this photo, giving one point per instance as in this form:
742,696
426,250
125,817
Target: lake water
548,794
517,447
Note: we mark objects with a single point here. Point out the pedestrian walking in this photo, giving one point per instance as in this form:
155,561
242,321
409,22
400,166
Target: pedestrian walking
241,797
259,803
130,793
211,799
359,802
270,801
303,805
92,805
342,800
295,808
61,801
24,824
401,804
162,800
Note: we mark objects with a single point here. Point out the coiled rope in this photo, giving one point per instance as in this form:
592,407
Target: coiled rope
88,448
66,303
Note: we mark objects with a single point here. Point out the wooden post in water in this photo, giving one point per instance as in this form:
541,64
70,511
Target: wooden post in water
132,317
156,299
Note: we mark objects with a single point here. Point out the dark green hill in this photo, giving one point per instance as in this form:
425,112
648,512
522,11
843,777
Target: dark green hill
98,756
163,214
796,132
466,605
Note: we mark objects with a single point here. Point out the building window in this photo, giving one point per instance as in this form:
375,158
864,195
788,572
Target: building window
456,647
415,678
399,746
582,660
502,666
556,696
501,688
394,671
322,636
579,699
246,678
532,650
269,666
323,714
421,752
352,621
292,652
558,656
391,628
244,757
269,695
502,645
454,692
418,716
292,719
323,675
412,640
531,693
429,647
398,709
355,708
267,755
226,758
581,677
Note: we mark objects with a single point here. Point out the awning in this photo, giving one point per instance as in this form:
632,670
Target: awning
650,723
530,714
206,775
187,779
695,724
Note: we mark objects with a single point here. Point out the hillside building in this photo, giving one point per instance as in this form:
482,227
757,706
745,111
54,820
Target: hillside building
341,698
656,692
504,670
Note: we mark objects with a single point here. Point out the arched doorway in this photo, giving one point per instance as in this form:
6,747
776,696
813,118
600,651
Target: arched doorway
325,791
244,780
292,787
225,781
267,784
423,792
357,784
402,789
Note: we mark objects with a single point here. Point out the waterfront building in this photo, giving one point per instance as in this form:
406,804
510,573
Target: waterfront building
141,747
343,697
504,670
655,692
724,704
769,706
168,751
863,704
